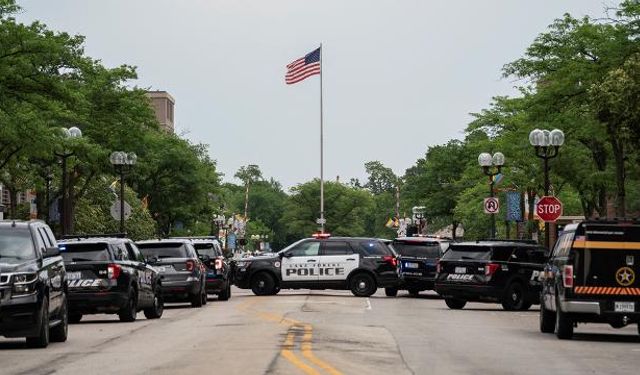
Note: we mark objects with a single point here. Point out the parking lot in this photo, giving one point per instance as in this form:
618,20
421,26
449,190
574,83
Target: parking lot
327,332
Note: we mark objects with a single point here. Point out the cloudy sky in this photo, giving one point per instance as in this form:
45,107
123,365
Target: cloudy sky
399,75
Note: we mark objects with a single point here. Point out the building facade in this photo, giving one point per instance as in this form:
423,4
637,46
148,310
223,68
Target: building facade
163,105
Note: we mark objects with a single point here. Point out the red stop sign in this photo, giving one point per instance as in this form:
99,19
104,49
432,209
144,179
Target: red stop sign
549,208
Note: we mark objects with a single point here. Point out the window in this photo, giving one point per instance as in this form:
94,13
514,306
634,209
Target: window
134,253
84,252
120,252
336,248
563,245
520,255
164,250
423,249
503,254
305,249
372,248
457,252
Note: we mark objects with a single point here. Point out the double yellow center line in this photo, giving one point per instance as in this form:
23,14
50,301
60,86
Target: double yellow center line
298,332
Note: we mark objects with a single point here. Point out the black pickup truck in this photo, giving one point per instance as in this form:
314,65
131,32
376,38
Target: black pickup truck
110,276
592,276
33,298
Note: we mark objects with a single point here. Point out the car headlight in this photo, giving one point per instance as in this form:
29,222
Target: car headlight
24,283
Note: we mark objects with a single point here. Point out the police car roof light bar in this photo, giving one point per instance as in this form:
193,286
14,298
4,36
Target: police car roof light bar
321,235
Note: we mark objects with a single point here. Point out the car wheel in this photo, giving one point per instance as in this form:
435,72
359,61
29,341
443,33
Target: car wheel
391,292
455,303
362,285
276,290
42,340
225,294
59,332
155,311
129,312
514,298
262,284
204,296
75,318
414,292
547,318
564,323
196,299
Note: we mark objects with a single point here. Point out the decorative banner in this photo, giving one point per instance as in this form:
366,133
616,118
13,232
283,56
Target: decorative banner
514,213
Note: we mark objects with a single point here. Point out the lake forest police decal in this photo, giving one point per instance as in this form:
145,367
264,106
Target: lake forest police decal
320,269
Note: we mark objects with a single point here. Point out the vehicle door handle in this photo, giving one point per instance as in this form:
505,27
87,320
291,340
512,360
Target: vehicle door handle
311,260
351,258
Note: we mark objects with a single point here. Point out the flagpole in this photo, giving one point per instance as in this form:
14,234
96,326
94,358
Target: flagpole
321,150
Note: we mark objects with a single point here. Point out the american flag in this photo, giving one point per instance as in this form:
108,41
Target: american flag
303,67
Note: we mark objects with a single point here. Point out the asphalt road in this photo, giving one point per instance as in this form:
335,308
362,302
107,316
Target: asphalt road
327,332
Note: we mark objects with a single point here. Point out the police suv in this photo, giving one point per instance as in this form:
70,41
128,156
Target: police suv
361,265
506,272
592,277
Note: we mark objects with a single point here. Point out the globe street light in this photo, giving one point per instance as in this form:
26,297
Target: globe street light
122,160
65,212
491,166
547,143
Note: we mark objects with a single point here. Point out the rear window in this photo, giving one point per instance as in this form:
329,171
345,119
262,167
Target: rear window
163,250
206,249
371,248
85,252
418,249
467,253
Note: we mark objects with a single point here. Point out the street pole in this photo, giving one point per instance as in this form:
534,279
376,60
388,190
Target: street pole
492,234
547,238
321,150
121,199
63,211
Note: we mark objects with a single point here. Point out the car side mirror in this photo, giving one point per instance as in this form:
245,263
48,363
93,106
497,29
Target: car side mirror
52,251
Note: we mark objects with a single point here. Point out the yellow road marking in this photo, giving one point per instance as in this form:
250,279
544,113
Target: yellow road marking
308,353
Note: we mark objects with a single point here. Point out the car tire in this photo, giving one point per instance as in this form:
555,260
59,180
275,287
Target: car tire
225,294
196,300
362,285
276,290
391,292
75,318
262,284
155,311
205,298
59,333
414,292
455,303
514,298
547,318
42,340
564,323
128,313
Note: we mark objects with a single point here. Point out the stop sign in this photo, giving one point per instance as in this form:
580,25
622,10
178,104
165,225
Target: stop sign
549,208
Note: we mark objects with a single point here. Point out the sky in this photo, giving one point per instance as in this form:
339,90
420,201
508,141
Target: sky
398,75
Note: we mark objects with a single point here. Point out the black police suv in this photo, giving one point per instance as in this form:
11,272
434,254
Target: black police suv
218,279
417,258
506,272
592,277
358,264
33,298
110,276
182,272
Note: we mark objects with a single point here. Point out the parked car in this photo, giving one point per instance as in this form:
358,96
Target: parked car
219,276
110,276
182,272
506,272
33,295
417,259
361,265
592,277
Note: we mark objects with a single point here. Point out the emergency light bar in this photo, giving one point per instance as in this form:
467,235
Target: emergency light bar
321,235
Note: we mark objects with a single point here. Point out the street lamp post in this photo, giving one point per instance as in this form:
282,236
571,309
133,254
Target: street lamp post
491,166
547,143
120,160
65,219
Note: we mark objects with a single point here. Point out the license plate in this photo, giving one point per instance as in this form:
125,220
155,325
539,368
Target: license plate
412,265
625,307
74,275
461,269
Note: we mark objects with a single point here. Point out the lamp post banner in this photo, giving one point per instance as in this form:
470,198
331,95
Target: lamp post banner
514,211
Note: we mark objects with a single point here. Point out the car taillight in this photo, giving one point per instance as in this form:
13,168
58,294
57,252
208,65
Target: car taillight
438,266
491,268
191,265
218,264
390,259
567,276
113,271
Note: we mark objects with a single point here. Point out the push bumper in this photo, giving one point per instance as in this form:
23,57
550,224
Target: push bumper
20,317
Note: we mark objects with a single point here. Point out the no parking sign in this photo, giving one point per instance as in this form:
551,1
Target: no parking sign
491,205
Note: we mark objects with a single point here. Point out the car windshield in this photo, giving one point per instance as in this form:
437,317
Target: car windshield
85,252
163,250
16,245
418,249
457,252
205,248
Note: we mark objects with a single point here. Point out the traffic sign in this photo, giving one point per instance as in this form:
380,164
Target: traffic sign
549,209
491,205
321,221
115,210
